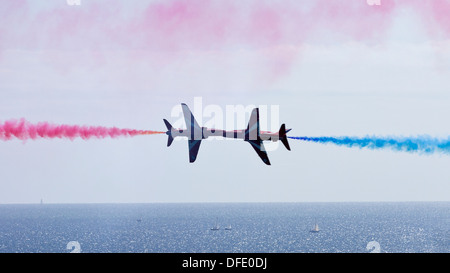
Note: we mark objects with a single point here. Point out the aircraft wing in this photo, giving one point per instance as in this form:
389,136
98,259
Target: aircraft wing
192,126
252,132
260,150
194,145
195,133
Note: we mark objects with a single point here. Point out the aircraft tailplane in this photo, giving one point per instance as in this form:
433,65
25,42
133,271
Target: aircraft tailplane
169,132
282,136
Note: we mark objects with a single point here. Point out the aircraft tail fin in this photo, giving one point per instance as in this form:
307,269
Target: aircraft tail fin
169,132
282,135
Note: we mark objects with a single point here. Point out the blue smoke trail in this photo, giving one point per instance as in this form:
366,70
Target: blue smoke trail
420,144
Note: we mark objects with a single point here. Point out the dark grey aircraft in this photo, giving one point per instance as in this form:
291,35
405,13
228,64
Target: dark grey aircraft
252,134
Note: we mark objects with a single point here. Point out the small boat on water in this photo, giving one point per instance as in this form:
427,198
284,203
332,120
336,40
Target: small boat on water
228,227
216,226
315,229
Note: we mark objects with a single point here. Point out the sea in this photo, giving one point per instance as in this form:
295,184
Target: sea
404,227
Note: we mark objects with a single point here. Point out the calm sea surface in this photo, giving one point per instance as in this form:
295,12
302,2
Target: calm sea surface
255,227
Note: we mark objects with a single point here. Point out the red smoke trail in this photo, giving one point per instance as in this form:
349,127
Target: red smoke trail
22,129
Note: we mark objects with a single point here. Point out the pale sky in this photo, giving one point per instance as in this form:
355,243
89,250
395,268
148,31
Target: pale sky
341,69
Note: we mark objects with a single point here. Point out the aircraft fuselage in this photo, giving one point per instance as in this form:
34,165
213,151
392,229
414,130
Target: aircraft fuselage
209,132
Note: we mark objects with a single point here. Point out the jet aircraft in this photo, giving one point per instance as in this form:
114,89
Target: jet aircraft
252,134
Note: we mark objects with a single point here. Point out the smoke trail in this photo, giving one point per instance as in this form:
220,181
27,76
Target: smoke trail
24,130
419,144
